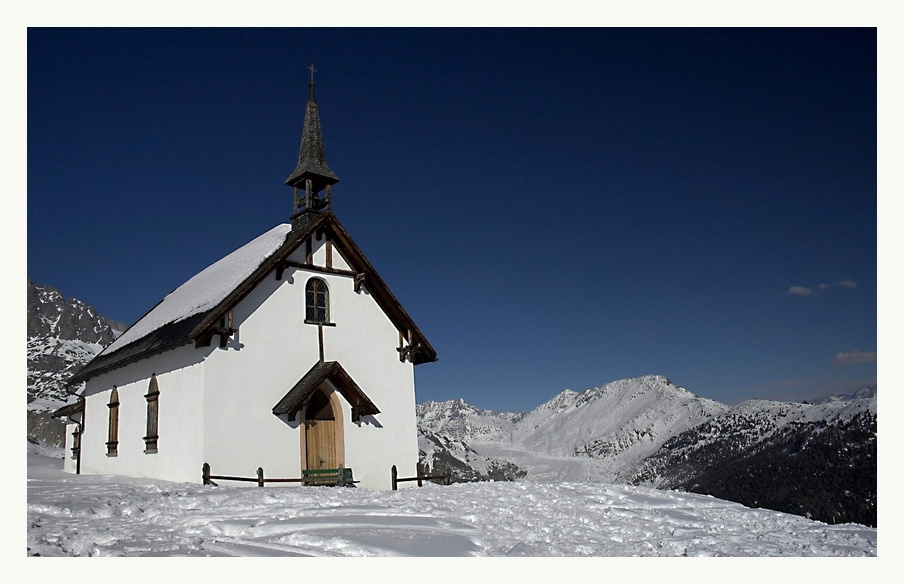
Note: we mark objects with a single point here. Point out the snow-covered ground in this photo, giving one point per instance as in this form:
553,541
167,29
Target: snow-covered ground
70,515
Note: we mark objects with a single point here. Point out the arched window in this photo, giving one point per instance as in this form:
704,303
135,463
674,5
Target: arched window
150,439
76,441
113,424
317,301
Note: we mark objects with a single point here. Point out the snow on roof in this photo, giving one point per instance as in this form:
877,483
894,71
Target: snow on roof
206,289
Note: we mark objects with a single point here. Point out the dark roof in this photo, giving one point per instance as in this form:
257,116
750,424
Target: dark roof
199,327
312,156
69,410
163,339
301,392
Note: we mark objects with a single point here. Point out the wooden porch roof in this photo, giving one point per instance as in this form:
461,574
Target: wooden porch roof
301,392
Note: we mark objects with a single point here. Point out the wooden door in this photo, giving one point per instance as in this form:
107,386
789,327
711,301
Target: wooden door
320,439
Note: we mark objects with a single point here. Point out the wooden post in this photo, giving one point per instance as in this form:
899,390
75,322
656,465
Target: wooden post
260,476
420,476
395,477
205,474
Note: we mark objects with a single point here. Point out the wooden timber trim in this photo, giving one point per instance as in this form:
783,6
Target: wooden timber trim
281,268
410,350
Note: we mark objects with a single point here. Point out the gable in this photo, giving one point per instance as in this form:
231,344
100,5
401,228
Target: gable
331,371
193,311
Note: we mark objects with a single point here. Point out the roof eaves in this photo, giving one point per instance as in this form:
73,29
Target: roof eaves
158,341
69,409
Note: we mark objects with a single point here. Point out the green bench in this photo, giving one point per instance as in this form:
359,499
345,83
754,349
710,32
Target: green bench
327,477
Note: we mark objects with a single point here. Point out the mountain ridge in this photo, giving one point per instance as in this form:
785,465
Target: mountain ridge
618,423
62,335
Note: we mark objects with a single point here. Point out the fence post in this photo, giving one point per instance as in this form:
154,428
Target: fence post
260,476
395,477
205,474
420,476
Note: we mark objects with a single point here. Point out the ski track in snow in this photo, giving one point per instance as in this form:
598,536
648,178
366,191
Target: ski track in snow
71,515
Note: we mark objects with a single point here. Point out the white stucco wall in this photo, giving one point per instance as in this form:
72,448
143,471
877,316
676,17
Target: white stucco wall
180,418
267,355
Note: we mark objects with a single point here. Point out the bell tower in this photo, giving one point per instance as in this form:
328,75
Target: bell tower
312,175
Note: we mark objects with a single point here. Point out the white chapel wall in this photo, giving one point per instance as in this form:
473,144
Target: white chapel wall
180,381
269,353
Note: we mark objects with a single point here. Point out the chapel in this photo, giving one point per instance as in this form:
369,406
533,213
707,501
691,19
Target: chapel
286,358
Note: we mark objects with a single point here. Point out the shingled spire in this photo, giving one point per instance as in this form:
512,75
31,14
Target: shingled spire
312,174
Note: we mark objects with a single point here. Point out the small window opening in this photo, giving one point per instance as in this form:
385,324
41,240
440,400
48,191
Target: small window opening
113,424
317,301
150,439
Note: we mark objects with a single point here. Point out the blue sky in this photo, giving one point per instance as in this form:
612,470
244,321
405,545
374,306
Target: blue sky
556,208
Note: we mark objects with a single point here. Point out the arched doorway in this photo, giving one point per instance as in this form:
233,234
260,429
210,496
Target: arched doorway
323,444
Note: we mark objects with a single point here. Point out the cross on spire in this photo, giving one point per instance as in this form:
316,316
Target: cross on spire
312,69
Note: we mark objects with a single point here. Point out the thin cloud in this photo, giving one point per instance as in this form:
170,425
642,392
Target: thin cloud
855,358
801,291
807,291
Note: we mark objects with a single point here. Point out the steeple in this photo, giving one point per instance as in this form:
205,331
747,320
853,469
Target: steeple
312,174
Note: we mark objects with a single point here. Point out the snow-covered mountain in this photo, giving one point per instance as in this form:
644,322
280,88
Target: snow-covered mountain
865,392
647,431
616,426
63,335
457,419
441,453
621,422
818,460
